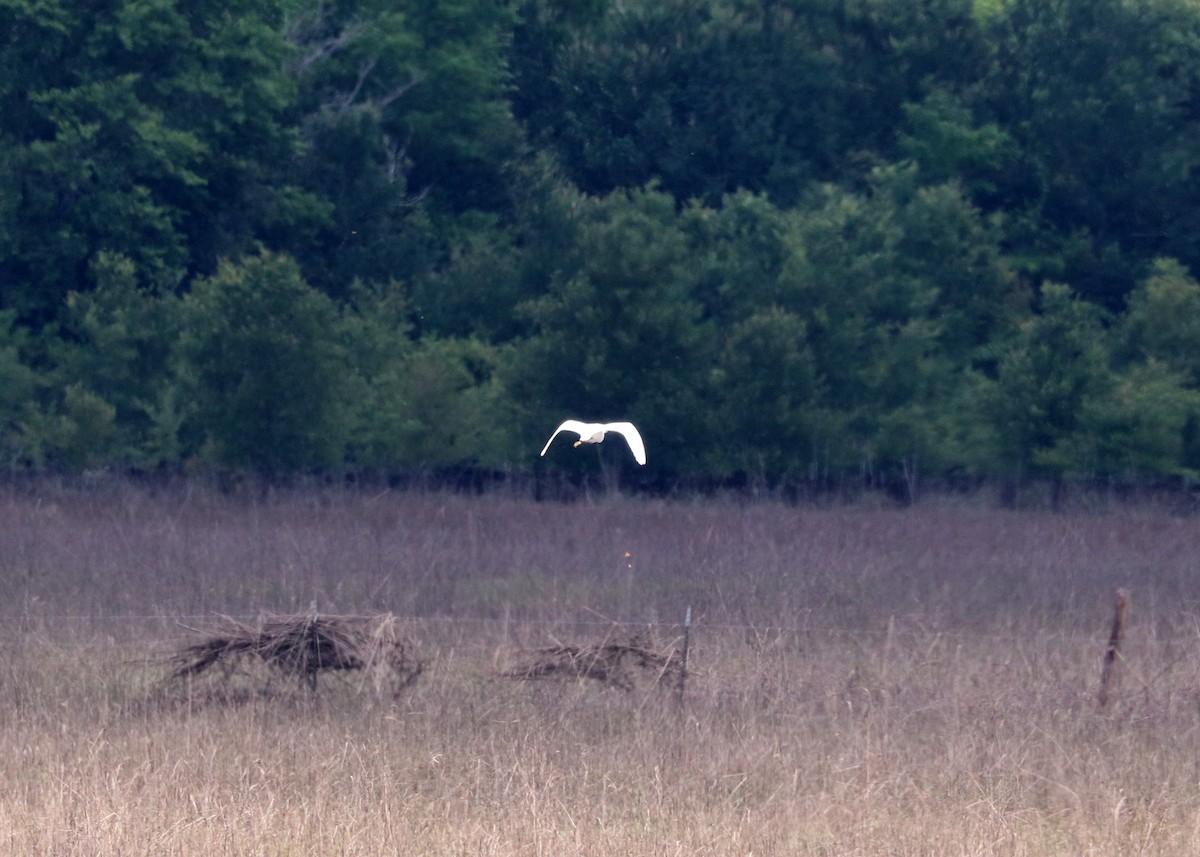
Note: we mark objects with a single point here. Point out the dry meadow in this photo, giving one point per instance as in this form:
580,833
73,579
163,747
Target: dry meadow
863,681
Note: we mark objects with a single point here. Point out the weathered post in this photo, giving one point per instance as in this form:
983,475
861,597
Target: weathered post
683,658
1108,673
314,643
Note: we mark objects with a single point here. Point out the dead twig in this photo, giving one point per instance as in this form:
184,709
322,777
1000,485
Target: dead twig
615,664
304,645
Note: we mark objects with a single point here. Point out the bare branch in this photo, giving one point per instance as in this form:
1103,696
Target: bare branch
345,100
397,166
398,91
304,32
397,170
328,47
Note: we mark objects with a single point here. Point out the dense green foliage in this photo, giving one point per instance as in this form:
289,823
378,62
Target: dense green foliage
802,243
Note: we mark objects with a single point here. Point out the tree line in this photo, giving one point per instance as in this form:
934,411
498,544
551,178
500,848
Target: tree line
800,243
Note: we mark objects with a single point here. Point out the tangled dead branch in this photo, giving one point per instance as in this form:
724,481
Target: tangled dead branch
302,646
612,663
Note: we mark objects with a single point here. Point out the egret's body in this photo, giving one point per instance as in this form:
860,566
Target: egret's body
595,432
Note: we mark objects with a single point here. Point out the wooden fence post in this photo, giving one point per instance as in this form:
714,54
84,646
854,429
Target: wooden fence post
1108,672
683,659
314,642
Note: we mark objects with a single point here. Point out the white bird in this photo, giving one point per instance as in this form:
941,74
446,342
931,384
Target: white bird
594,433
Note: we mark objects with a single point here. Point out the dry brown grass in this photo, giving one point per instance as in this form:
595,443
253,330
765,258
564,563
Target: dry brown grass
868,681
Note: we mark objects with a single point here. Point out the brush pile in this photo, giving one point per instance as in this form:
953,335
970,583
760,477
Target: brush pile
302,646
612,663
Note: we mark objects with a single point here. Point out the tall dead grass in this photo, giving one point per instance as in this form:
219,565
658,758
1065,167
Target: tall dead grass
867,681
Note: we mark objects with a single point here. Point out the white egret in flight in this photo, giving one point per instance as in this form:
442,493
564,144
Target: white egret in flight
594,433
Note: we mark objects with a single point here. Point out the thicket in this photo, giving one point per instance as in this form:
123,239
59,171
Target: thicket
799,243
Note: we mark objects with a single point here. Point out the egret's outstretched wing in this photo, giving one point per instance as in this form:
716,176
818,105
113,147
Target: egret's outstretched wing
633,437
568,425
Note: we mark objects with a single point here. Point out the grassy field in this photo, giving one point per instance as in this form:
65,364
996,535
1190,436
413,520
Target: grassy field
866,681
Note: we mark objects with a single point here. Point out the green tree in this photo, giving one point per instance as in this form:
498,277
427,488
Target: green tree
156,131
431,81
769,405
495,265
477,289
1162,322
1161,328
418,405
949,145
440,406
1099,95
771,417
267,370
19,385
375,229
711,96
619,334
407,127
740,248
118,344
75,432
1133,430
1057,364
900,290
